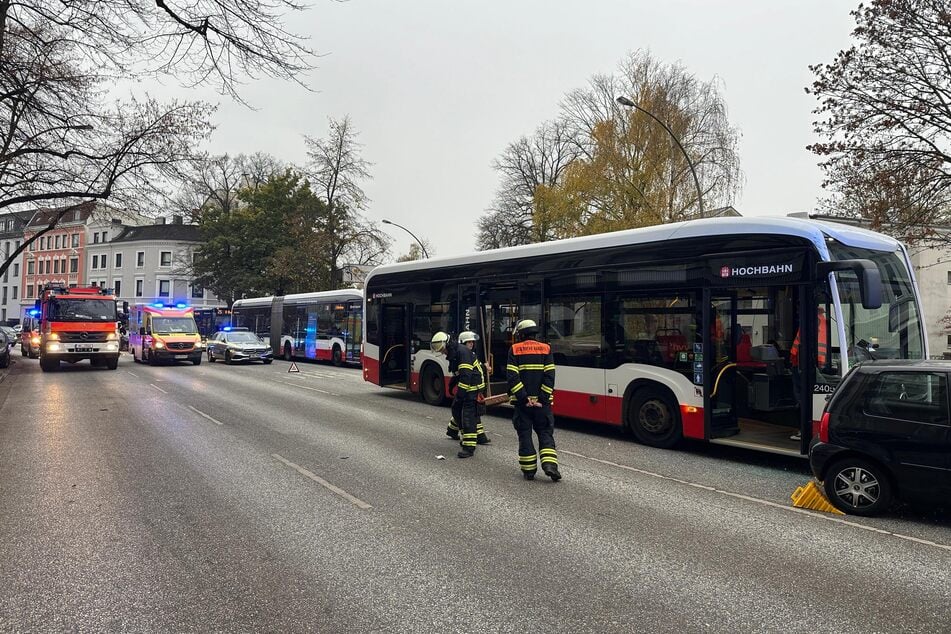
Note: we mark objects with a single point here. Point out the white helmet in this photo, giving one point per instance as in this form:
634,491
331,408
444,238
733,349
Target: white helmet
467,336
440,339
525,327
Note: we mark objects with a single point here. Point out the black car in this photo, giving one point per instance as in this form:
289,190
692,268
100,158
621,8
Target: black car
886,435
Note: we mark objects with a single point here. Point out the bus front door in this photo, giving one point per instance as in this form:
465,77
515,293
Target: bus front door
723,378
394,359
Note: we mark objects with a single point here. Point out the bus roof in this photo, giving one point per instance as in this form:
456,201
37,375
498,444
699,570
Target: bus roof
811,230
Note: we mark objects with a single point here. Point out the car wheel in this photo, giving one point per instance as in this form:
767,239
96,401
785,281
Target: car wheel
432,385
197,360
654,419
148,357
5,361
228,357
288,352
211,356
858,486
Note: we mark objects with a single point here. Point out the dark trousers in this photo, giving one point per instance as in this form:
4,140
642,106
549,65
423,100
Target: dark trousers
455,422
542,422
470,422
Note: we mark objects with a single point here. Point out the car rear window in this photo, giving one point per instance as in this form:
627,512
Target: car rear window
913,396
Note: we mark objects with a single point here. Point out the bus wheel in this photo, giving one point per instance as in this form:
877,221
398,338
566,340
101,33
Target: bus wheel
432,385
337,356
654,419
288,353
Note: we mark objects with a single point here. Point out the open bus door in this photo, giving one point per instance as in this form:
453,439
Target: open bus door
394,354
354,331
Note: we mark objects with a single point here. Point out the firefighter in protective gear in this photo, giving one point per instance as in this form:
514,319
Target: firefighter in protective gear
470,386
531,377
442,343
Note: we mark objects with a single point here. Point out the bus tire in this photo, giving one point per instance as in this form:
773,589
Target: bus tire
336,356
654,418
288,351
432,386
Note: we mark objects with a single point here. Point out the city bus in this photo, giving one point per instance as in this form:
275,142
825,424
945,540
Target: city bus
728,330
324,326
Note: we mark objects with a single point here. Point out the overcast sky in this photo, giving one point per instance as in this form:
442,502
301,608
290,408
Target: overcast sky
438,88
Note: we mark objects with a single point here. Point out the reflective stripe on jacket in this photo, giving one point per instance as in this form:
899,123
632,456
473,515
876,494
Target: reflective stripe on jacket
531,372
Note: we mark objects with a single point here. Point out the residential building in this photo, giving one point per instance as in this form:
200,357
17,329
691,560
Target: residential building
148,263
12,226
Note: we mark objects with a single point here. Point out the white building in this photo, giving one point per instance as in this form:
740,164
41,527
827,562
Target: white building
149,263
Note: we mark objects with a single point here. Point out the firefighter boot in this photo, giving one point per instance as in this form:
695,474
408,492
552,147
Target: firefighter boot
467,452
453,429
528,475
551,470
482,439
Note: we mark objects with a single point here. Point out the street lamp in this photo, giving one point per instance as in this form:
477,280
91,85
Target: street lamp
418,241
624,101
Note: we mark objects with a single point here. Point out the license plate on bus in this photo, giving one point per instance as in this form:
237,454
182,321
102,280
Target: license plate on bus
82,349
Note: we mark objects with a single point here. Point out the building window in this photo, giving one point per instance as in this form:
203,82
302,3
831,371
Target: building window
118,260
105,236
29,292
57,241
95,262
4,295
74,265
140,259
75,240
30,268
42,243
15,289
95,238
197,292
138,288
103,261
166,258
163,288
56,267
117,287
16,269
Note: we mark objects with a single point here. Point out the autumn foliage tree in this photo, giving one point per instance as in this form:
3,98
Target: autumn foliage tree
884,119
608,167
64,141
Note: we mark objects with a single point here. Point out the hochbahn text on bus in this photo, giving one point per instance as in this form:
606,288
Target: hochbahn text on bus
729,330
323,326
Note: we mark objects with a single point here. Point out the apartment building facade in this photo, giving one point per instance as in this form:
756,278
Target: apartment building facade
12,226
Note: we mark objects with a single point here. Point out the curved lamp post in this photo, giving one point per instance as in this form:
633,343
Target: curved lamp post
418,241
624,101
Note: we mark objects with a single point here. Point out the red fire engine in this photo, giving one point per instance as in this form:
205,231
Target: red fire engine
77,324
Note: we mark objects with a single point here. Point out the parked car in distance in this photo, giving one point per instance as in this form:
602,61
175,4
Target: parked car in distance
12,334
6,345
238,344
886,435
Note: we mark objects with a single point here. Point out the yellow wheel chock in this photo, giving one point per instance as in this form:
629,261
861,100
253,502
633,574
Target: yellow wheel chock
810,496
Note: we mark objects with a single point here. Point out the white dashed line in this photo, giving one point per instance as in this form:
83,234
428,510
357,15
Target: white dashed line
316,478
201,413
304,387
781,507
158,388
133,374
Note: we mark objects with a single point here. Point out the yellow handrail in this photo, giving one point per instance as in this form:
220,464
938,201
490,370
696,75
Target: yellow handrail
716,385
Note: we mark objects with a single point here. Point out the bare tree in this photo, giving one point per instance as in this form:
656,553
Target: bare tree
63,143
216,181
884,115
336,169
526,164
417,252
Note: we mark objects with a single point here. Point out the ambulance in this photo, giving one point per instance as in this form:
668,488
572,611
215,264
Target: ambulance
164,333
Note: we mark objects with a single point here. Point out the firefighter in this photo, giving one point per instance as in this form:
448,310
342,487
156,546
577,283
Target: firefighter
531,377
443,344
470,386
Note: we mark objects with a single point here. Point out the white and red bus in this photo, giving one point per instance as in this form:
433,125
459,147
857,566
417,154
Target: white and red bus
324,326
686,330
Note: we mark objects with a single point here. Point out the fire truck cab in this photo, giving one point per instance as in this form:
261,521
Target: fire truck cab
77,324
164,333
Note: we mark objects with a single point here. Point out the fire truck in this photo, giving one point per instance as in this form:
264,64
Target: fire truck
77,324
164,333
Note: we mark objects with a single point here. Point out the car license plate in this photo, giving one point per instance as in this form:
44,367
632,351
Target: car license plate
82,349
181,356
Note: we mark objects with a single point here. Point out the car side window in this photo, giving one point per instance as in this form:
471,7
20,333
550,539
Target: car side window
912,396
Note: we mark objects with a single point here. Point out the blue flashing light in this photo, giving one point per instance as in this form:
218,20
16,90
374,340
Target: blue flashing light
181,305
227,328
158,305
33,312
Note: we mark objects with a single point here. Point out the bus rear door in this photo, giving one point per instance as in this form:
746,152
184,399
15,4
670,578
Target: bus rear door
394,354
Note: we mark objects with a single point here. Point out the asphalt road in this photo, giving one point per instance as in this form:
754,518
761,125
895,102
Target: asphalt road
245,498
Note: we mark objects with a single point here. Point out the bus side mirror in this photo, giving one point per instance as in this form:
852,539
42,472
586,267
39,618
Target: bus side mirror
870,278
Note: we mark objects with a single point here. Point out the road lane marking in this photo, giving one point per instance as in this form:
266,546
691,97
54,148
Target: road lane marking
316,478
135,375
201,413
305,387
748,498
158,388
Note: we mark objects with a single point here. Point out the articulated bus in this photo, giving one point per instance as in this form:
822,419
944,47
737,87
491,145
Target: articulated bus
325,326
733,330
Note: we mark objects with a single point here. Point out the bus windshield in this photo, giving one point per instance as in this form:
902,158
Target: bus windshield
174,325
892,331
82,310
